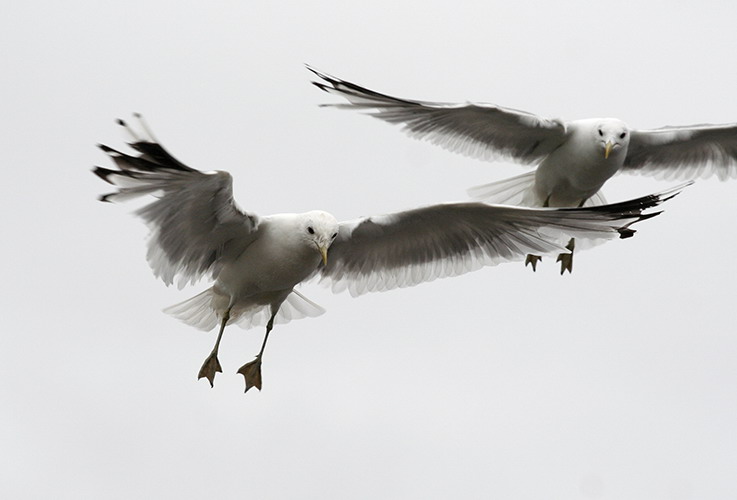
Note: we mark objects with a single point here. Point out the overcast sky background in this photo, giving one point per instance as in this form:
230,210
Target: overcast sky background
616,382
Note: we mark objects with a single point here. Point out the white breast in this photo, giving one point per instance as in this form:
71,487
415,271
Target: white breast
277,260
577,169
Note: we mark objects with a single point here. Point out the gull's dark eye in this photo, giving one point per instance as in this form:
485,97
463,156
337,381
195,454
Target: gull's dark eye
334,235
310,230
601,133
621,136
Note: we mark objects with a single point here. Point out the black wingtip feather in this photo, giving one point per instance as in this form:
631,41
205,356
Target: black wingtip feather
153,155
320,86
152,158
346,87
318,73
649,216
103,173
625,232
333,81
674,194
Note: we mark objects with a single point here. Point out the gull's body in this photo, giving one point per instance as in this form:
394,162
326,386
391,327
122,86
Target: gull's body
574,159
256,261
289,258
576,170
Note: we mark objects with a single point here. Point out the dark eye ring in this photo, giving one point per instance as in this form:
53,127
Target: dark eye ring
310,230
334,235
621,136
601,133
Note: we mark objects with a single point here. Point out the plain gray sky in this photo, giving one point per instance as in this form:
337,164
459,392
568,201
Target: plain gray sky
616,382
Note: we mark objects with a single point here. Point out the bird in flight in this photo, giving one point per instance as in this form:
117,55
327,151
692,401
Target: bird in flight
197,231
573,158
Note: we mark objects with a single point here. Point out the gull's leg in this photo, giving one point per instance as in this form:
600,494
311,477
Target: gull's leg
566,259
211,366
531,258
252,371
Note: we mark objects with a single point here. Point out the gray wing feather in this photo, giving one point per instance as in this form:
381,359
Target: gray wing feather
483,131
684,152
194,221
403,249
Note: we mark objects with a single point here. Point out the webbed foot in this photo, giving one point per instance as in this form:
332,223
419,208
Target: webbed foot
252,373
566,259
533,259
210,367
566,262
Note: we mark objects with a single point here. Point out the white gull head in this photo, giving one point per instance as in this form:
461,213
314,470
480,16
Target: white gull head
319,230
612,136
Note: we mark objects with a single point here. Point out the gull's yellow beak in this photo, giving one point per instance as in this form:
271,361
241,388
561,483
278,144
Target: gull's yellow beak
608,149
324,254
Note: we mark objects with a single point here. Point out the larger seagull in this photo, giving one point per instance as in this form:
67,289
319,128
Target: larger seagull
574,158
197,231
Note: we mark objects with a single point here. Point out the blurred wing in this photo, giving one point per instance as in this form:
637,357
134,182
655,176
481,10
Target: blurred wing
403,249
194,221
483,131
684,152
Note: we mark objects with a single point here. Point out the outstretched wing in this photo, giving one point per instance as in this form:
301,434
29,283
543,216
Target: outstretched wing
194,221
403,249
684,152
483,131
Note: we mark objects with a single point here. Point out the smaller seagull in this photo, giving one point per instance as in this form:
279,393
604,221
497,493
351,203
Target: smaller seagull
574,158
197,231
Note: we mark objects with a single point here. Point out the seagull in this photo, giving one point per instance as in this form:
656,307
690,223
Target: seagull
255,262
574,158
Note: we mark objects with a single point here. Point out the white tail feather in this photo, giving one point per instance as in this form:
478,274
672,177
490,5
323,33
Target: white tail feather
199,312
512,191
196,311
519,191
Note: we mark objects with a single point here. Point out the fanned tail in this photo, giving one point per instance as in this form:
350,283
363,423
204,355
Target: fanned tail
200,312
519,191
196,311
